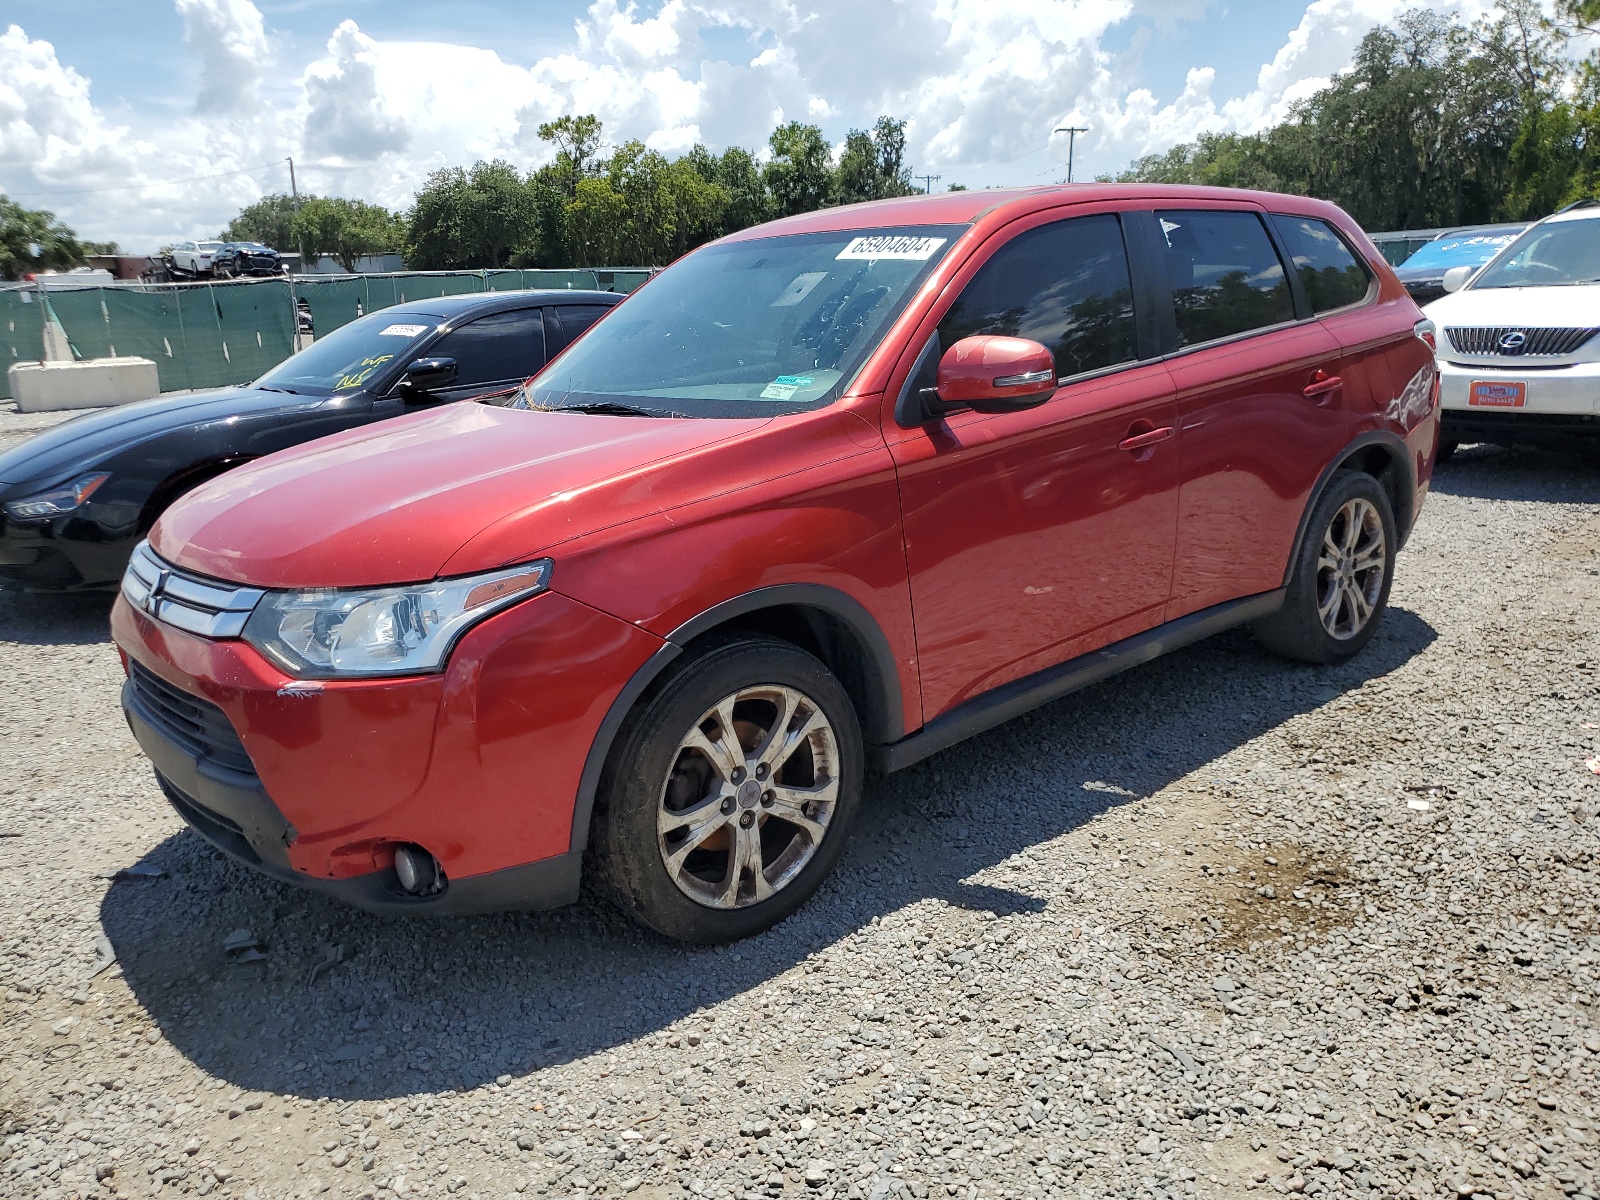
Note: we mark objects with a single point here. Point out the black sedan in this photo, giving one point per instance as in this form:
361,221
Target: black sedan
244,258
76,499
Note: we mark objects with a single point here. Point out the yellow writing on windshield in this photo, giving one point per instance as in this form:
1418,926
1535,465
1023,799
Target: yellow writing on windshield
361,373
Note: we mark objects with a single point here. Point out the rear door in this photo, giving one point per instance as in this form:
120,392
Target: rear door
1255,383
1032,537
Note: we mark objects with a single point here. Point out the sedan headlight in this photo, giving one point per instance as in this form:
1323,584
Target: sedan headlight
57,501
334,633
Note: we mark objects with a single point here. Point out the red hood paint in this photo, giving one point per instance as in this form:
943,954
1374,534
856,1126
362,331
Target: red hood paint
393,503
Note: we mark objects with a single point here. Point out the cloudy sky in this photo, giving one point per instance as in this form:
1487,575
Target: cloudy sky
148,120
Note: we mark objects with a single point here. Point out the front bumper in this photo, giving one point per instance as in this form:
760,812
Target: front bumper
314,783
1550,391
63,555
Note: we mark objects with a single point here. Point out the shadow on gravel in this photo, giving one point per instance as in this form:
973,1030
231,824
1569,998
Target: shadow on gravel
430,1005
39,619
1567,475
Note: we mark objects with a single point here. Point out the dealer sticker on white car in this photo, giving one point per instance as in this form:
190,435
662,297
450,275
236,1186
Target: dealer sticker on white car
1497,395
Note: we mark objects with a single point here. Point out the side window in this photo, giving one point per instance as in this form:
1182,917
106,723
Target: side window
1225,275
576,318
1065,285
1329,270
493,349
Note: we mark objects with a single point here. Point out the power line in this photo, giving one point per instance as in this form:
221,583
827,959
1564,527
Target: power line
134,187
928,181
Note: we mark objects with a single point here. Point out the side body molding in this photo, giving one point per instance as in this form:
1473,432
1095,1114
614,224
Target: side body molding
883,721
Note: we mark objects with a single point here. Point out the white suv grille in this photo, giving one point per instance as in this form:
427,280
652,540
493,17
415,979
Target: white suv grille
1511,341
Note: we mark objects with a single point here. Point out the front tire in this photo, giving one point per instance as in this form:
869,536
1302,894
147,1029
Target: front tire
730,793
1340,586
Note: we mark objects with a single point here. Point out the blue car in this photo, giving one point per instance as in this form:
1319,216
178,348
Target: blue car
1423,272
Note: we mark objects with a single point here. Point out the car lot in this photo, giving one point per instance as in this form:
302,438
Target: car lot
1043,968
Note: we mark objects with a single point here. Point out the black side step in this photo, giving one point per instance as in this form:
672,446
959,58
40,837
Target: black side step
1025,694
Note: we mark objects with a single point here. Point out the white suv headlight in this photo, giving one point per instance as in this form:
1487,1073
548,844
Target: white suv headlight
336,633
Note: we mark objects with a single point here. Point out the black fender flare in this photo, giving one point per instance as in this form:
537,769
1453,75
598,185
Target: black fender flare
1399,454
885,723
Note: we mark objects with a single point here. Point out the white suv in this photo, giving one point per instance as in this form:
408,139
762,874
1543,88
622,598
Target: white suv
1519,359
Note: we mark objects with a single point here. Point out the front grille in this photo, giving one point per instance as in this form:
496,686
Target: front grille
194,603
195,724
1491,340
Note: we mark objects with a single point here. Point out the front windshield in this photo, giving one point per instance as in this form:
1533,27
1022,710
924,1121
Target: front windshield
748,328
348,358
1461,250
1557,254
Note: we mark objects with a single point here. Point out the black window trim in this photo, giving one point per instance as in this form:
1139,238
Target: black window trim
1369,297
1157,279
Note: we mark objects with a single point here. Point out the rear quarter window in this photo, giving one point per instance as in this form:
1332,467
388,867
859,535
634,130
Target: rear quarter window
1331,273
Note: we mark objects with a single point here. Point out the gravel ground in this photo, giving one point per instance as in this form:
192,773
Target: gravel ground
1220,926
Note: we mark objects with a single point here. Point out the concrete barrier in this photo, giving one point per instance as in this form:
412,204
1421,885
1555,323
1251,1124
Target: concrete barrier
93,383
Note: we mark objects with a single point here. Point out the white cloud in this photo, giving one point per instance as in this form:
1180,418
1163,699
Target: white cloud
982,84
230,40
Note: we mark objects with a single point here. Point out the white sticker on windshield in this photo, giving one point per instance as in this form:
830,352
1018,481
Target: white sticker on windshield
402,330
912,249
798,289
785,386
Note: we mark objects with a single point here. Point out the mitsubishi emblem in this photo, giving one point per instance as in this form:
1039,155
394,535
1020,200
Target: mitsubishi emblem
152,599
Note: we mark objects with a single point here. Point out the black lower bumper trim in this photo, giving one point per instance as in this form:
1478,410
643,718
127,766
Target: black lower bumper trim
233,812
1518,428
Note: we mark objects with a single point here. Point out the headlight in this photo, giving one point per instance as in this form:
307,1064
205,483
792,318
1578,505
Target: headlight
329,634
57,501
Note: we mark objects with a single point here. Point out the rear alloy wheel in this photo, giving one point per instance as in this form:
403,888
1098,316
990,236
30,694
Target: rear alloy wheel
729,796
1340,586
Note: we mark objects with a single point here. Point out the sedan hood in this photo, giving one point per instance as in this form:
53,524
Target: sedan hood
84,442
1526,308
394,502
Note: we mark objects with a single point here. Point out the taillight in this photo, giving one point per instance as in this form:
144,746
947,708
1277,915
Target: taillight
1428,332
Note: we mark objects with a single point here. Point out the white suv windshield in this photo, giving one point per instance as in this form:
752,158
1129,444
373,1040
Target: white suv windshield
748,328
1560,253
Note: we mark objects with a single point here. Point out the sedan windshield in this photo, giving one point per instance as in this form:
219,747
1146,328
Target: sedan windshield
1556,254
351,356
748,328
1461,249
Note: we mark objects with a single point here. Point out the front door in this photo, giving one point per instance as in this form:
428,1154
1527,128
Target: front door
1032,537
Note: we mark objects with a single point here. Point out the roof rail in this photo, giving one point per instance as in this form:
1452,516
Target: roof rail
1588,203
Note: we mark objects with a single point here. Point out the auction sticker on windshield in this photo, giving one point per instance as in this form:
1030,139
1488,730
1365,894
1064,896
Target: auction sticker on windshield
407,331
1497,395
785,386
912,249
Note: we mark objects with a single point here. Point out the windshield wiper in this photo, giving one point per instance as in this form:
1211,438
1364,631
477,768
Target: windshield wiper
609,408
289,391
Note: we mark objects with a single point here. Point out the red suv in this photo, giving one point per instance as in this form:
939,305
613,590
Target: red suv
830,494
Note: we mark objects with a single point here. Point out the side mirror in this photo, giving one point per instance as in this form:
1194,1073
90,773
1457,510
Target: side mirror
992,374
426,375
1456,278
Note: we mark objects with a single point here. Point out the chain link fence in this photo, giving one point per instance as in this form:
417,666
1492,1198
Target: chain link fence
206,335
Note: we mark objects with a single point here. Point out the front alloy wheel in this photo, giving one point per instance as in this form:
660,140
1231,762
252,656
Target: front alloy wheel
729,792
751,793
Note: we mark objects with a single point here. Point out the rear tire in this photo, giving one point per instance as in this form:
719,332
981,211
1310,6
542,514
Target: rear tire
710,828
1340,586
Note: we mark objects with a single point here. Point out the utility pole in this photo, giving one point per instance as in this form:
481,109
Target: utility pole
928,181
294,194
1072,132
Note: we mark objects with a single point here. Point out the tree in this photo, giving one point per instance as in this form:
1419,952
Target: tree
464,220
32,240
270,221
577,142
872,166
800,176
347,230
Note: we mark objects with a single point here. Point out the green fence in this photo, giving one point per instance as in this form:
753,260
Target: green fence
215,334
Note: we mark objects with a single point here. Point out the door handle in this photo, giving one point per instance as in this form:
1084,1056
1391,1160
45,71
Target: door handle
1322,387
1150,437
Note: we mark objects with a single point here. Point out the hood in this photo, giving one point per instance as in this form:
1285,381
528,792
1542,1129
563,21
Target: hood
1526,307
393,502
84,442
